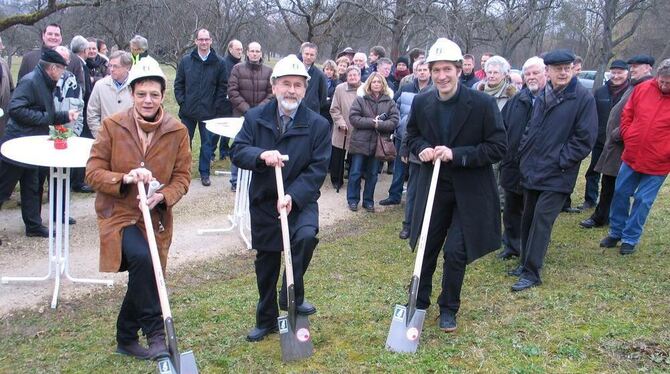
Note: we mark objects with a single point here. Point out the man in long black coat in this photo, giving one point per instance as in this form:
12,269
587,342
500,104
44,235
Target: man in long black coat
561,133
464,129
284,126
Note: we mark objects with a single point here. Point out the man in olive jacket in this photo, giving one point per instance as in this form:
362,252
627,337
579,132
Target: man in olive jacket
464,129
561,133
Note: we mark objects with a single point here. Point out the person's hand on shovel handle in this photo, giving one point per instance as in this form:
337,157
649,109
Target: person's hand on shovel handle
286,202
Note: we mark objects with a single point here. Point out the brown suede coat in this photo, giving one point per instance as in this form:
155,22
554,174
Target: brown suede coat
116,151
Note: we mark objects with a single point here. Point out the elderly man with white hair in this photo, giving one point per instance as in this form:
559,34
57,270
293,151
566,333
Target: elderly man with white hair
497,83
516,114
361,60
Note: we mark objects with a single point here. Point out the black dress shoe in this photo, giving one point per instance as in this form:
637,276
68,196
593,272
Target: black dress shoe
404,233
71,221
133,349
609,242
589,223
205,181
304,309
38,232
507,253
258,333
389,201
233,188
570,209
523,284
353,207
516,272
626,249
85,188
448,321
157,348
369,208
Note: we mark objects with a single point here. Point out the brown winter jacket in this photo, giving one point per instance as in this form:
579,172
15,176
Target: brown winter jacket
343,98
249,86
116,151
363,111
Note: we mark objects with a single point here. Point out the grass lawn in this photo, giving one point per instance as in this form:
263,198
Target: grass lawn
596,312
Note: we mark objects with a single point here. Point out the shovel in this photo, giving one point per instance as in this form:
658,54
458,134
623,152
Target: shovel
407,321
176,363
294,336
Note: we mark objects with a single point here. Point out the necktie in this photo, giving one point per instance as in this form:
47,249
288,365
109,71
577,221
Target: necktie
285,122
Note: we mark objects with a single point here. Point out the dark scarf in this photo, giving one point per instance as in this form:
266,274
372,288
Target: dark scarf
95,63
617,91
399,75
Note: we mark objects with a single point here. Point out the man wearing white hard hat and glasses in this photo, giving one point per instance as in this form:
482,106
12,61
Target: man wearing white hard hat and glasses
284,126
463,128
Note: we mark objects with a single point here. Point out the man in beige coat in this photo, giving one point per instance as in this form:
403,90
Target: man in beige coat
344,96
111,94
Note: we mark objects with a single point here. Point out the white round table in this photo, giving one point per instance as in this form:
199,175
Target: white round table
229,127
40,151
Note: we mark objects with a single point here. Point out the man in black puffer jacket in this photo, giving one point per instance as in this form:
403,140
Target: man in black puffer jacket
31,112
200,89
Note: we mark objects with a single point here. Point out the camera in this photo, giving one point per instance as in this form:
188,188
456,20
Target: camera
383,117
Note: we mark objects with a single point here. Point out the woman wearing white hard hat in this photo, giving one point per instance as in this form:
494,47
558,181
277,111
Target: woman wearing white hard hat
464,129
284,126
140,144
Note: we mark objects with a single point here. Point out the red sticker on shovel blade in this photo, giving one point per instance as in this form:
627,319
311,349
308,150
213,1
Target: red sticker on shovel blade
302,334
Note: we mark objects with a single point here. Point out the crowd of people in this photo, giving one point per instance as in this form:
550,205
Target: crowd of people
508,141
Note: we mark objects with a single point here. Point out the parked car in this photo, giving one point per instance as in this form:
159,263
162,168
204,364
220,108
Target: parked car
587,77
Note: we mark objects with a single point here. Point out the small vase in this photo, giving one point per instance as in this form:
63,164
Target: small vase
60,143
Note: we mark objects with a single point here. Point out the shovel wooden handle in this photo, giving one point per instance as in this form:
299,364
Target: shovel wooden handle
283,216
423,236
153,249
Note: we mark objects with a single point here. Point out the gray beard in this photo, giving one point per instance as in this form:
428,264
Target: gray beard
287,106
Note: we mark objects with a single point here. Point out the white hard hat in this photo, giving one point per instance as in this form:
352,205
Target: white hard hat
444,50
289,65
146,67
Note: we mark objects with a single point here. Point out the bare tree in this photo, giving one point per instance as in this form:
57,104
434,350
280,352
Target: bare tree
41,10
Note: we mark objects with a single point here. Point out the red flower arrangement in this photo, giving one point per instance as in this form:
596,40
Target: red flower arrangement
59,135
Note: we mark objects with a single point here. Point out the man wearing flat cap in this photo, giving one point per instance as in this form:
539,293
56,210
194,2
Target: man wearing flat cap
606,97
561,133
349,53
31,111
609,162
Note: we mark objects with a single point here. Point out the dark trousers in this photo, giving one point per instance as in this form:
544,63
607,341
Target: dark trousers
77,175
512,214
444,223
27,177
268,264
601,215
411,193
223,143
206,147
336,167
141,307
399,171
540,210
592,178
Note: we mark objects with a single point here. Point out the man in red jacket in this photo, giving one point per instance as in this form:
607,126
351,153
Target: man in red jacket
646,159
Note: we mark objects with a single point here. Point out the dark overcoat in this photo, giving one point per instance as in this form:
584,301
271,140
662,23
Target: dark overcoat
561,133
307,142
201,87
516,115
477,139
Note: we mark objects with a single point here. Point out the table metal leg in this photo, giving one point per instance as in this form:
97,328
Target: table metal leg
59,244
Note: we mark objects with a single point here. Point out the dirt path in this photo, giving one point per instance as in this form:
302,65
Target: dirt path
202,207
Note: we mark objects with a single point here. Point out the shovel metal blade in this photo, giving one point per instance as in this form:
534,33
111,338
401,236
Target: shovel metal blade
404,337
296,341
186,364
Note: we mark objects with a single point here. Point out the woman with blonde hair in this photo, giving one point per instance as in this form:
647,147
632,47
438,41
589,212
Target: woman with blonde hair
373,114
